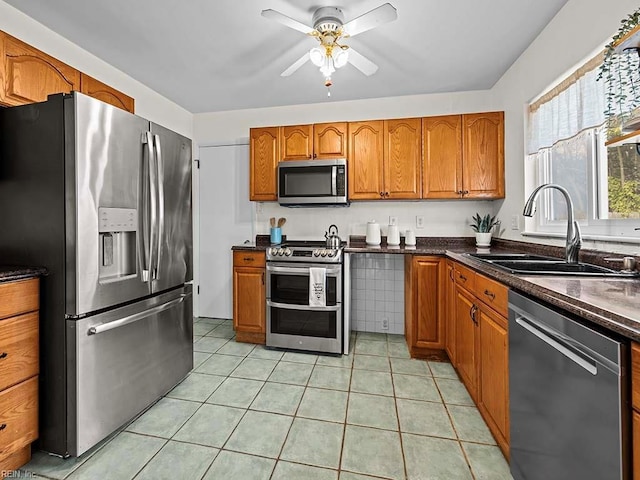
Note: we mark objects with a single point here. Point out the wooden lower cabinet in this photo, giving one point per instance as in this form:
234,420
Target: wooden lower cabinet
450,314
635,412
249,296
19,368
424,313
493,378
466,357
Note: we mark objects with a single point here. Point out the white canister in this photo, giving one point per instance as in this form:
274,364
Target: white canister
410,238
373,233
393,235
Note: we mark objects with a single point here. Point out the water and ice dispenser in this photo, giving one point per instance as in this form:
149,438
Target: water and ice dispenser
117,230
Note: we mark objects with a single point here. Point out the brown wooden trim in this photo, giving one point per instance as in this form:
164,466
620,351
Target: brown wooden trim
250,337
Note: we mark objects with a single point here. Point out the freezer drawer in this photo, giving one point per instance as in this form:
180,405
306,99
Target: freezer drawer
123,360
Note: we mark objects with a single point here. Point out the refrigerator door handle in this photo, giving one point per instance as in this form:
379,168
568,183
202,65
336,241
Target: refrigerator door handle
105,327
153,188
144,250
160,187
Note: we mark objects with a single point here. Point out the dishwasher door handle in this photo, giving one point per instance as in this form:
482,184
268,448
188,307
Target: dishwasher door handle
547,337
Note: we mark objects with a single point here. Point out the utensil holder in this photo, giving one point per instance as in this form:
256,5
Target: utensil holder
276,235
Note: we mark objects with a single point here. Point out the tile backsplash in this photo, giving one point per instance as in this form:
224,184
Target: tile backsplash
377,292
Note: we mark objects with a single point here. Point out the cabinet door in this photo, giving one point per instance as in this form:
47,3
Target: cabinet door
494,373
330,140
365,160
450,313
296,142
30,75
249,300
483,158
466,340
426,285
442,158
107,94
636,444
263,164
402,158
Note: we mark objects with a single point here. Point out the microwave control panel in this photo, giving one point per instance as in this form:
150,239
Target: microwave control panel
341,187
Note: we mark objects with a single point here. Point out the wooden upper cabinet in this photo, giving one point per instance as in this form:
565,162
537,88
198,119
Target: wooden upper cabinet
96,89
365,160
483,158
402,154
296,142
330,140
263,162
28,75
442,158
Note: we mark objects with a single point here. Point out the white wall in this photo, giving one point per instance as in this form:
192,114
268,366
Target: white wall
149,104
575,34
442,218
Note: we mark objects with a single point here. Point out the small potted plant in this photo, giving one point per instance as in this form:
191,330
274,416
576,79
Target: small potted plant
483,226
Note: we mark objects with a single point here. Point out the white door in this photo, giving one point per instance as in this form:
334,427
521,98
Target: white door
226,219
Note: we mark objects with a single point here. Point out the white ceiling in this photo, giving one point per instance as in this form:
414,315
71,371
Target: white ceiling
214,55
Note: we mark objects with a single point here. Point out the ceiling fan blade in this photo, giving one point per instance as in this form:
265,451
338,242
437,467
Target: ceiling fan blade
362,63
287,21
296,65
376,17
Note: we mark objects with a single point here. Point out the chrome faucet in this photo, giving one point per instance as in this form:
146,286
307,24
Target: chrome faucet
574,238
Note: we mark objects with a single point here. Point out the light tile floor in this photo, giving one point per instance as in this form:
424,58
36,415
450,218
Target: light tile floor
246,412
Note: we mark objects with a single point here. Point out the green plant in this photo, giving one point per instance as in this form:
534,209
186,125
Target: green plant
620,72
483,224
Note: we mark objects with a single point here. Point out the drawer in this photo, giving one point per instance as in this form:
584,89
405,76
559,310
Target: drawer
18,349
493,294
19,297
244,258
465,277
635,375
18,416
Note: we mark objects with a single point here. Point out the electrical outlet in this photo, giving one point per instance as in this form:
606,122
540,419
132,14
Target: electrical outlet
515,222
385,323
393,220
419,221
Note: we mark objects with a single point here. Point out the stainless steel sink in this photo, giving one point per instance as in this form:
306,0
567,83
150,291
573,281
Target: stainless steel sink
525,264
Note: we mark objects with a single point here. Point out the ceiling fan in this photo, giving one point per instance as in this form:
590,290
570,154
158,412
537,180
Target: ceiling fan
329,29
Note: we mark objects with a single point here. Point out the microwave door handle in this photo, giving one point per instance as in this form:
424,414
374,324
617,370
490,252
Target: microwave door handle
334,180
160,188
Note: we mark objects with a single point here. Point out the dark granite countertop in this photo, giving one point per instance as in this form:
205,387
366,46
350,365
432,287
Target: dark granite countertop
10,273
612,303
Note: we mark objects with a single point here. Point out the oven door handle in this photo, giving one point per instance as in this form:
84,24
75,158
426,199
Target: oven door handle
288,306
299,271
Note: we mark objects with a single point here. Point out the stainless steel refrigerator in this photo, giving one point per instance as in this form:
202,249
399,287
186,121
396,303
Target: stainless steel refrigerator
102,199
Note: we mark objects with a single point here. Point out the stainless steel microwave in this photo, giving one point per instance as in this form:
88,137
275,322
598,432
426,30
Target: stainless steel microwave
313,182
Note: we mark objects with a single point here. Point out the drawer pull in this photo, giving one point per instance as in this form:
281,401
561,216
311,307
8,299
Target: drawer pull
463,278
248,259
3,426
3,355
490,294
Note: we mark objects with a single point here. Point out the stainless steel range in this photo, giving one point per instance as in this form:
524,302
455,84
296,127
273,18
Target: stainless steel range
293,319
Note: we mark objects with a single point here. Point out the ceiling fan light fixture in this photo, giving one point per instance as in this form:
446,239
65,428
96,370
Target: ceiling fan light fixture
317,56
327,67
340,57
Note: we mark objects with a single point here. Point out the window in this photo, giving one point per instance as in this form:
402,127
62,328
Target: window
566,145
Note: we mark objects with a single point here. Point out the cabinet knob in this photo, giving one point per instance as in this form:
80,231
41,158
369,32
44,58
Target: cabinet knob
3,355
462,277
465,192
386,194
490,294
3,426
314,155
248,259
382,194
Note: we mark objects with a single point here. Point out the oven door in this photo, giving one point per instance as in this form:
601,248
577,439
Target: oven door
291,322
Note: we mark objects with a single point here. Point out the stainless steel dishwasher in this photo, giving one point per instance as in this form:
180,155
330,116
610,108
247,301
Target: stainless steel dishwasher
568,397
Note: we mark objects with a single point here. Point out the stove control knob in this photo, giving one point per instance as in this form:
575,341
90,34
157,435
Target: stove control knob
281,251
331,253
316,253
273,251
288,252
323,252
